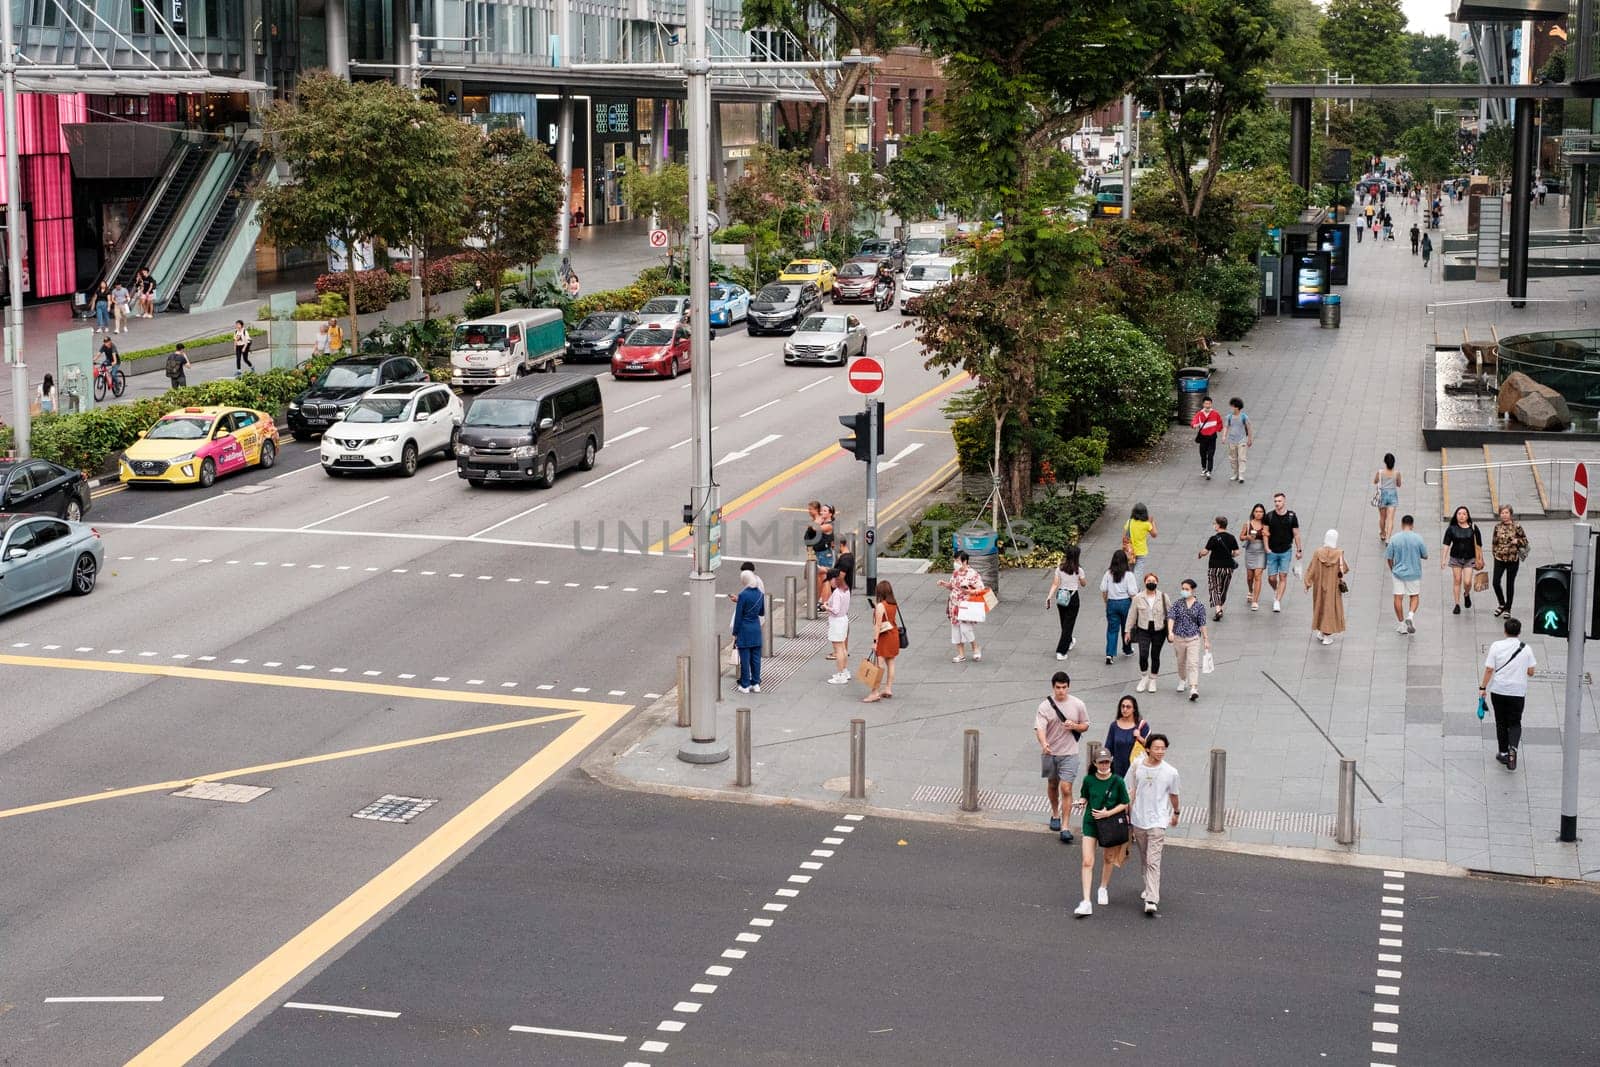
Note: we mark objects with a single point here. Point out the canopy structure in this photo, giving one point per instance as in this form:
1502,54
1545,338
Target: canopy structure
131,82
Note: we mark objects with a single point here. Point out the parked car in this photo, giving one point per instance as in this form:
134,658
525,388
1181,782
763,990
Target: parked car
856,280
729,303
830,338
530,430
42,556
393,427
341,385
665,310
778,308
43,488
192,446
597,336
884,248
653,351
922,279
819,271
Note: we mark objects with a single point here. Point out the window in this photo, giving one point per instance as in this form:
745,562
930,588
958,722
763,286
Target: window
21,482
241,419
588,394
46,532
224,426
22,536
137,14
436,400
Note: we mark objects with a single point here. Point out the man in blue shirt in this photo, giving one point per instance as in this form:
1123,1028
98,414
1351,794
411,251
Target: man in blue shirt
1404,557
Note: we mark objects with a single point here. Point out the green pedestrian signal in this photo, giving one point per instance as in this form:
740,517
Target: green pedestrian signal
1552,600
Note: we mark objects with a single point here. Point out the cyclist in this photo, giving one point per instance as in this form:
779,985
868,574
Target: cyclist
109,356
109,362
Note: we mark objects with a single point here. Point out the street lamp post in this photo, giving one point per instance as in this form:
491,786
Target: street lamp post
20,420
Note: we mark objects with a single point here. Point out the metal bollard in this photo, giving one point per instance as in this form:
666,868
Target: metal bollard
791,605
766,625
1094,751
969,771
1217,808
858,759
683,690
808,602
741,745
1344,824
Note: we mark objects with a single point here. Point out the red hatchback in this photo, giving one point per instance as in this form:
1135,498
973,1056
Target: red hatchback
652,351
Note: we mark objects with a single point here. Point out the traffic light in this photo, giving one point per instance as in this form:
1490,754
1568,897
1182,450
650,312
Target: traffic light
1552,600
856,423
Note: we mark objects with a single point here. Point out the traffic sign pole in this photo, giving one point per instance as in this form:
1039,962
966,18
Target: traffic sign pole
870,535
1571,721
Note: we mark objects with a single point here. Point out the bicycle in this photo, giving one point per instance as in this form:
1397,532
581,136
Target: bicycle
114,375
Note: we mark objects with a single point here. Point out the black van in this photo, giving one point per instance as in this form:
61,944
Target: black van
531,428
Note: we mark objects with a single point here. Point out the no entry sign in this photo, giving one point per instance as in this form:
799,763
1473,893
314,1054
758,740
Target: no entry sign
1580,491
866,376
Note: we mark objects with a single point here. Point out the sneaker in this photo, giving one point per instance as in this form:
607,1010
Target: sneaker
1411,626
1180,687
1400,628
1208,476
1072,645
1102,898
1456,610
1143,679
1108,661
1277,605
755,689
1149,907
1501,757
1194,694
839,679
742,688
1061,655
1066,837
1511,758
1254,606
1327,640
1083,909
1055,823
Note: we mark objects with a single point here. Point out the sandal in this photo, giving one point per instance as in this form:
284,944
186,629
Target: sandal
958,659
977,657
887,695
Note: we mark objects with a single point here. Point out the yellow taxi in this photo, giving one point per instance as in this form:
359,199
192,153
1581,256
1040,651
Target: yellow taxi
819,271
191,446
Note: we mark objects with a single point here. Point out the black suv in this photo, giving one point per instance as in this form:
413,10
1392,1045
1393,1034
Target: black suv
342,384
779,307
597,336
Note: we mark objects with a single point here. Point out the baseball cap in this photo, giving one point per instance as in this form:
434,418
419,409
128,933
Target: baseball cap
1104,756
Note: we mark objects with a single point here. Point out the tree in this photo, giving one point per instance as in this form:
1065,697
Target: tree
925,175
367,161
513,198
1298,55
1435,58
1495,149
1367,38
1431,152
664,193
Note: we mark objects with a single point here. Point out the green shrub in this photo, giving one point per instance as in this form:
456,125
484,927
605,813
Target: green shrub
327,306
626,298
974,440
1116,378
1179,323
1235,288
375,289
477,306
737,234
1052,522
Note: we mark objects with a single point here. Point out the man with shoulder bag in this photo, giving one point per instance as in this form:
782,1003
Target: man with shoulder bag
1506,670
1061,717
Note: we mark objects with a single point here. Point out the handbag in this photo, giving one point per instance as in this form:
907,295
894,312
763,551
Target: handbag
1137,754
1127,538
1483,707
1377,495
1112,830
971,611
1344,587
733,655
1480,581
869,673
1207,664
905,641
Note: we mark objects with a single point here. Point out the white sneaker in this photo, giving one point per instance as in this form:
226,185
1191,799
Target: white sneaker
1180,685
1102,897
1140,687
1400,628
1073,645
1327,640
742,688
1254,606
755,689
1061,655
1277,605
839,679
1083,909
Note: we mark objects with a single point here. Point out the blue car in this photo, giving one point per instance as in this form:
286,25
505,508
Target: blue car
729,303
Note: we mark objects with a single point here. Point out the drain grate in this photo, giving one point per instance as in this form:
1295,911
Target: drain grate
227,792
1233,818
391,808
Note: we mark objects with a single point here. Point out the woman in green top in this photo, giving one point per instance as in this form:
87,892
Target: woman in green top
1103,794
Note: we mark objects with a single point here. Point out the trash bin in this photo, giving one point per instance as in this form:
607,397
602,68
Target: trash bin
1330,311
1192,385
982,546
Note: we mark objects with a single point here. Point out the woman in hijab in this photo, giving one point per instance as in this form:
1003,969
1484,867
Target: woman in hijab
747,612
1324,576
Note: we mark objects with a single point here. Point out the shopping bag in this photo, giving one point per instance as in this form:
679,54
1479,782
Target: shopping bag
1137,754
733,655
869,673
1480,582
990,601
1483,707
971,611
1207,664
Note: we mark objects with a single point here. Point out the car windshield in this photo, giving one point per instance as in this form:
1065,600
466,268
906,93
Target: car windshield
648,338
928,272
822,324
378,409
501,412
777,294
925,246
181,428
349,376
803,268
874,247
854,269
665,305
480,335
600,322
721,292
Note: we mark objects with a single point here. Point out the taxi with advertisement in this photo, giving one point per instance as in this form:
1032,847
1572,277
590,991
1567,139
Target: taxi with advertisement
192,446
817,271
653,350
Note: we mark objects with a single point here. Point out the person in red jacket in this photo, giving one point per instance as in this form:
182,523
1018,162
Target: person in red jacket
1208,426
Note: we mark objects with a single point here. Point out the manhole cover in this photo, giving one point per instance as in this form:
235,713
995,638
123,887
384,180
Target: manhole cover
390,808
247,490
227,792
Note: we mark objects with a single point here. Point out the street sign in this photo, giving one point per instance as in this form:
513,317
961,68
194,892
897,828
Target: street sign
658,238
866,376
1580,491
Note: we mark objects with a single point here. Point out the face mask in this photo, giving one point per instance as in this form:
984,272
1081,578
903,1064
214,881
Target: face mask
1150,586
1188,594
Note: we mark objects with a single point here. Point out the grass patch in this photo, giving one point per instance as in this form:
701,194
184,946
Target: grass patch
199,342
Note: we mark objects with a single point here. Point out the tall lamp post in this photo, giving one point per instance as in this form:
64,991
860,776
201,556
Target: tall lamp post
20,419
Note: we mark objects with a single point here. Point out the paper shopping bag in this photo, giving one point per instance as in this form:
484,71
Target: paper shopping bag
990,601
971,611
869,673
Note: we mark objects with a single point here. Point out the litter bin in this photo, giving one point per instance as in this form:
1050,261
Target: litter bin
1330,311
1192,385
982,546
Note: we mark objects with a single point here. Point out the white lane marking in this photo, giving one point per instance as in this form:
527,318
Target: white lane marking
1386,1009
702,988
1382,1027
627,434
733,953
762,407
1392,928
854,818
342,1010
894,460
758,359
788,893
833,840
649,1046
719,971
800,879
636,403
1390,957
104,1000
1391,942
759,921
298,470
903,344
186,507
774,907
613,474
1394,900
880,333
742,453
1388,1048
671,1026
813,385
446,474
825,853
747,937
686,440
811,865
1392,913
586,1035
346,511
1386,990
688,1007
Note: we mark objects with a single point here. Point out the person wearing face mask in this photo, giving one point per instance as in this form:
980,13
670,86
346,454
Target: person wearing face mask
1147,628
747,612
1186,628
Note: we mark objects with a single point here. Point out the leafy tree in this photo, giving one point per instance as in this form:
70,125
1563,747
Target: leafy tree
925,174
1495,148
513,198
1298,55
774,196
1367,38
1260,137
367,161
1431,152
1435,58
664,193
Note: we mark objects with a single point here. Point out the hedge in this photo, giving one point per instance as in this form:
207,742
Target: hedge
375,289
627,298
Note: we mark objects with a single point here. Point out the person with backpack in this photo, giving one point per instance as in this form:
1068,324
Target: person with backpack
177,367
1057,724
1238,436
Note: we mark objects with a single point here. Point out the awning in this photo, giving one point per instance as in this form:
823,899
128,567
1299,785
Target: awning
131,82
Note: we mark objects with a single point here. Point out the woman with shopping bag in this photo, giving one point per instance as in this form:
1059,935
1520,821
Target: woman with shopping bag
1126,735
963,610
1325,578
747,637
1186,631
886,625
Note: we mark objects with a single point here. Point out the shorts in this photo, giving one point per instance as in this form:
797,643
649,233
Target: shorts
963,633
1407,586
1279,562
1058,768
1388,498
838,627
825,559
1462,563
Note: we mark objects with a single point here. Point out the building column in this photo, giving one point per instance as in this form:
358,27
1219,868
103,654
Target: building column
1300,142
1577,194
400,40
337,17
564,163
719,165
659,147
1522,156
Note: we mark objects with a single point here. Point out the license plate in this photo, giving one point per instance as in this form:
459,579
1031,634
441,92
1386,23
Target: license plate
491,475
350,457
634,366
316,422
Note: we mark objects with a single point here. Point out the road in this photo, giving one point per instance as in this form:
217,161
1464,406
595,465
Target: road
338,642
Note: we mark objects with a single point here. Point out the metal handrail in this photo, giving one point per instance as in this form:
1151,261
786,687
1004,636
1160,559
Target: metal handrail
1435,475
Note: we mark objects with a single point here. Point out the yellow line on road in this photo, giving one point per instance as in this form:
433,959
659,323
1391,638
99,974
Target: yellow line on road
922,489
217,1016
282,765
106,491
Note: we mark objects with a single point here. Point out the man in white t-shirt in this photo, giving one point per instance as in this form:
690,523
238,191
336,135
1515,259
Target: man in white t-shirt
1153,784
1061,717
1506,670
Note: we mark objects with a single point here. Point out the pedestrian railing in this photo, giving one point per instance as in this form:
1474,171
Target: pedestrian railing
1546,474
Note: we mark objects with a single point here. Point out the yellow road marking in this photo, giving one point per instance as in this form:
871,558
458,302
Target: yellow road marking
806,464
213,1019
921,489
106,490
922,429
282,765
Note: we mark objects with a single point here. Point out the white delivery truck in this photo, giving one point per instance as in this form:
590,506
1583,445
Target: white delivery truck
499,348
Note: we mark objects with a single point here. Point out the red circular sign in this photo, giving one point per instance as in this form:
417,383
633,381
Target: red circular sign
1580,491
866,376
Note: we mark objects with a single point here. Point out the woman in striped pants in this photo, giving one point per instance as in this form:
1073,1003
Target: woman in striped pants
1223,548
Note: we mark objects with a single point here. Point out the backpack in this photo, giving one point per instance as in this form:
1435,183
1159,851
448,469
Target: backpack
174,365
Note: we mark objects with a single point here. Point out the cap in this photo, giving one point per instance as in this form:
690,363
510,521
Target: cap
1104,756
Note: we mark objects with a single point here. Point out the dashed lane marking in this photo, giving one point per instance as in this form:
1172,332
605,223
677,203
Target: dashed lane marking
568,1033
1388,976
340,1009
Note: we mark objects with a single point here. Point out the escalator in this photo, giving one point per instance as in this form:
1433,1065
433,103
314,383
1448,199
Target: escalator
156,220
213,240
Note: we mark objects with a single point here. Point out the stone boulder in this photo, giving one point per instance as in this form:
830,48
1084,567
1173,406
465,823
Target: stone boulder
1539,416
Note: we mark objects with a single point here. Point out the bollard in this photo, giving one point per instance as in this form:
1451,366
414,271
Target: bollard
683,690
791,604
858,759
1094,751
741,744
808,602
1216,810
766,625
1344,825
969,771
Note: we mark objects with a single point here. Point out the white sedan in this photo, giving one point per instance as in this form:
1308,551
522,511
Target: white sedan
392,428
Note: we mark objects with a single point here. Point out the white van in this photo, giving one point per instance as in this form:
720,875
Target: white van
927,241
923,278
499,348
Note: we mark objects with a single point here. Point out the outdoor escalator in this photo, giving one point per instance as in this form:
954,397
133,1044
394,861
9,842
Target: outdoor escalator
214,240
170,201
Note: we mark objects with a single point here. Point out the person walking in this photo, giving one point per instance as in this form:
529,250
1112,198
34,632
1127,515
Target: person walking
1126,735
748,609
1386,497
1325,579
1118,587
1207,423
102,307
320,347
1057,722
1506,670
1136,535
119,308
1283,547
962,583
1065,585
1416,236
1186,629
1464,557
1238,436
1427,249
1152,785
1223,550
838,608
886,625
1147,628
1104,794
47,395
1254,534
1404,558
147,294
241,348
1508,544
335,336
1360,229
177,367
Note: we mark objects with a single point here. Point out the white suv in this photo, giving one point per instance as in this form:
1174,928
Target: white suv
393,426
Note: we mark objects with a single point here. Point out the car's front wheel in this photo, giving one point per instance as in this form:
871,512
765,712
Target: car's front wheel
547,472
85,572
589,453
455,439
269,455
73,512
208,474
408,459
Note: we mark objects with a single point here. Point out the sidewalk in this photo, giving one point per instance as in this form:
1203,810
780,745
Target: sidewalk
1326,404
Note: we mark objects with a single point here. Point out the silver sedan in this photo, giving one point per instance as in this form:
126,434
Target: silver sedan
41,556
826,339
